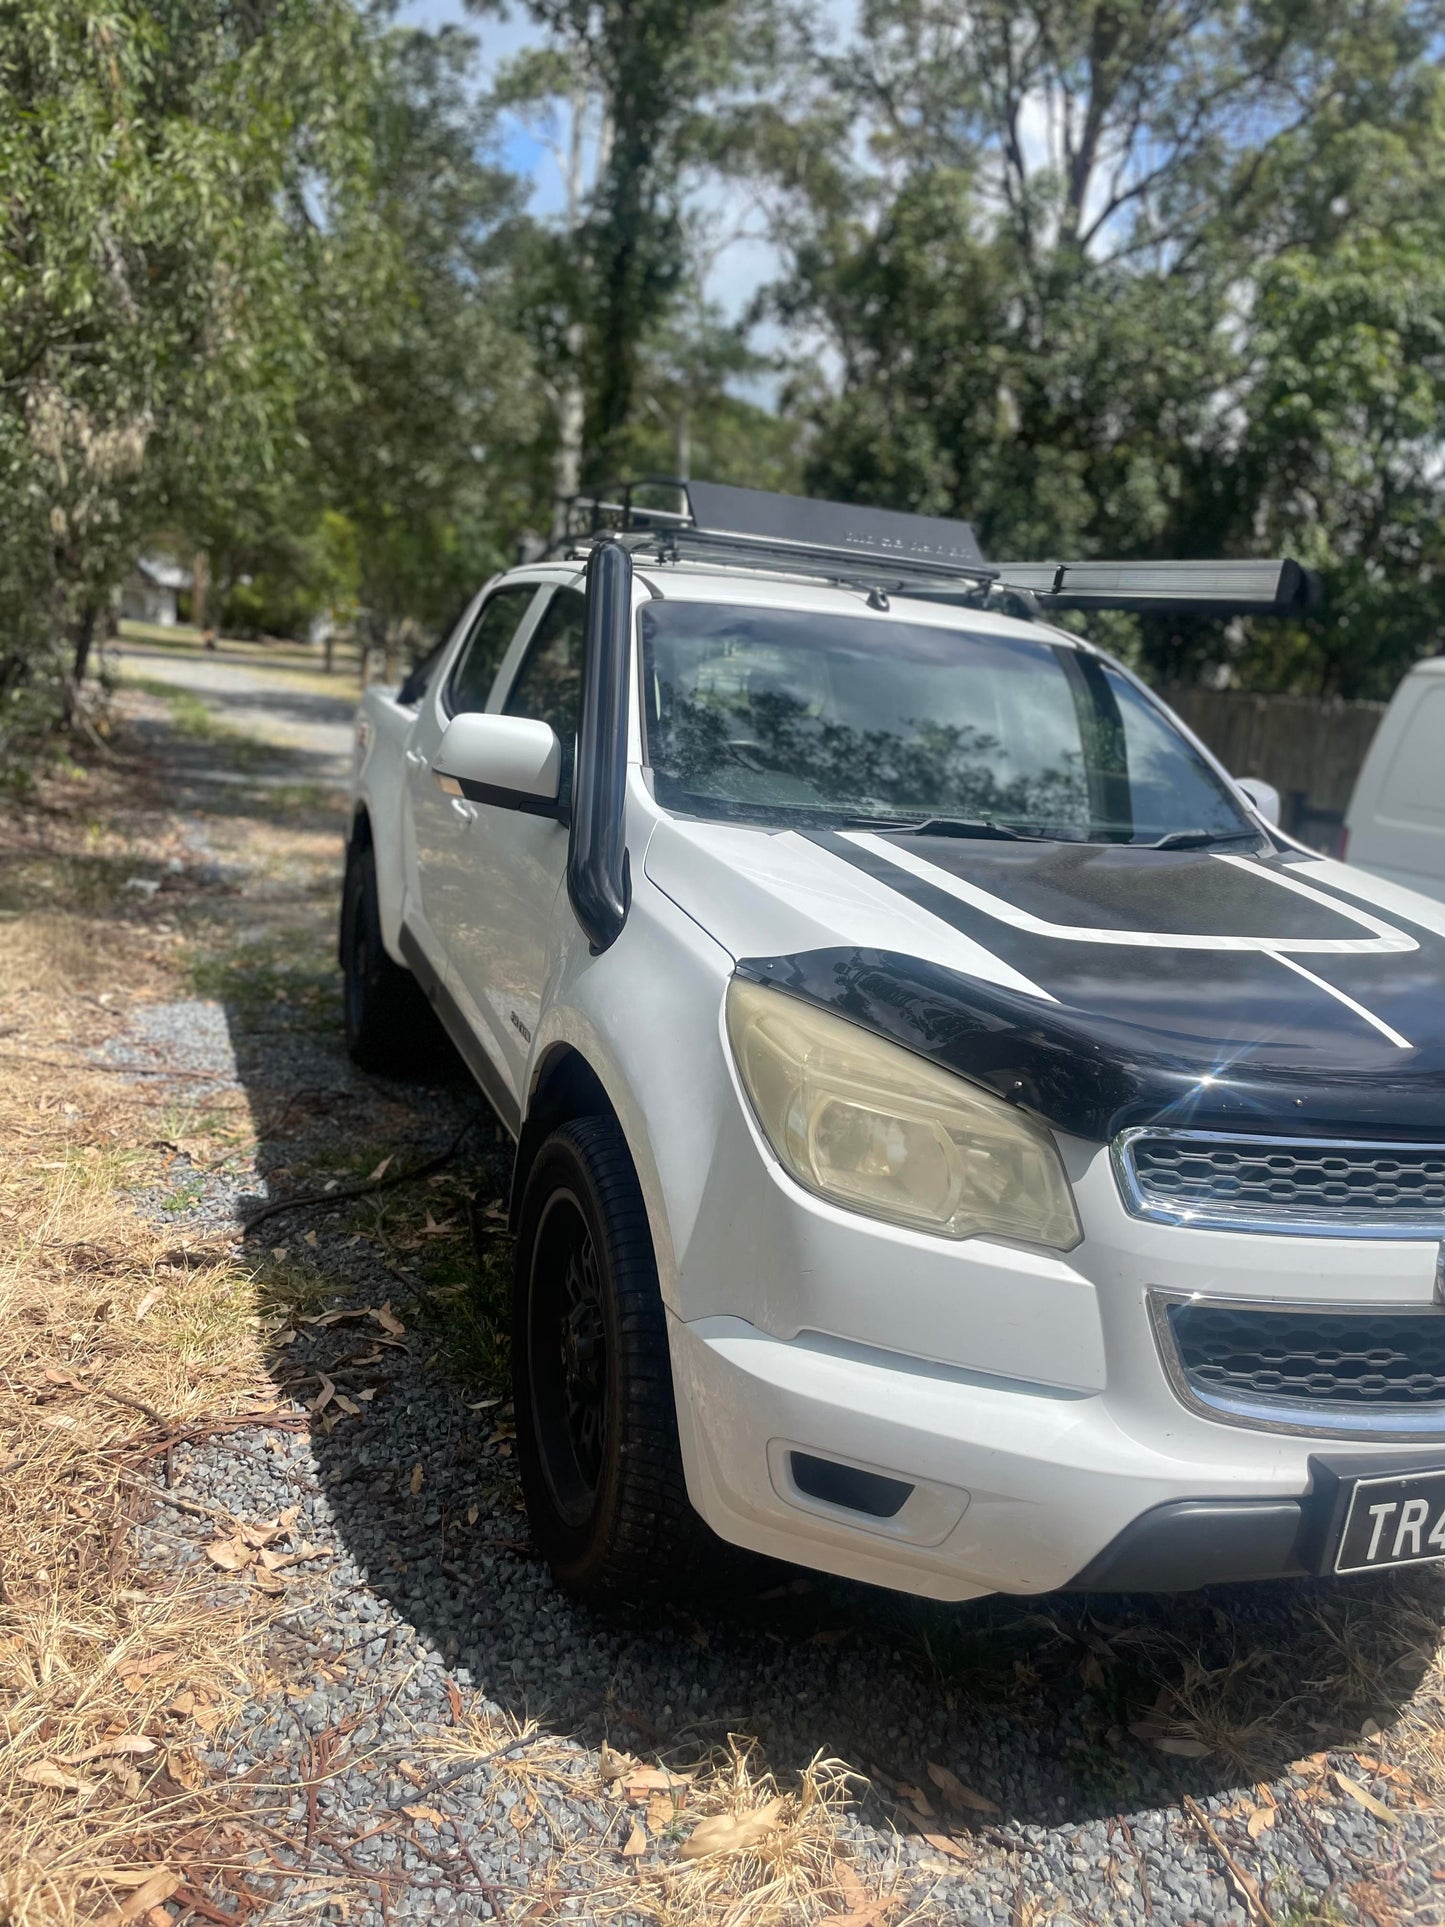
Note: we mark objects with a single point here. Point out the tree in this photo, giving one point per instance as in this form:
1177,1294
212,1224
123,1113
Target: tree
639,87
423,435
1139,277
168,174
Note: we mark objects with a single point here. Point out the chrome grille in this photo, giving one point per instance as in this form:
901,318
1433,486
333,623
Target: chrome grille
1315,1185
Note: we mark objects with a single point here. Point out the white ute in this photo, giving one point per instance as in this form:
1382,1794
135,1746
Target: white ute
960,1143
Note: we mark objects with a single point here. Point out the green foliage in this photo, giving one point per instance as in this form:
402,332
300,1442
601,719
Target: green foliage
166,172
1147,277
1141,279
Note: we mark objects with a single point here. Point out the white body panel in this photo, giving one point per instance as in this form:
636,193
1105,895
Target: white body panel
1396,818
1020,1392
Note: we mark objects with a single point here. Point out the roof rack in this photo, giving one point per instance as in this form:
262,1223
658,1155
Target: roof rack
876,549
922,555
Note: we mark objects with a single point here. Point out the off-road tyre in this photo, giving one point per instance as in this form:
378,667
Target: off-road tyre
390,1026
608,1508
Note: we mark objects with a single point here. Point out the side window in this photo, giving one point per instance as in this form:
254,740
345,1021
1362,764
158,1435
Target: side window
484,648
548,683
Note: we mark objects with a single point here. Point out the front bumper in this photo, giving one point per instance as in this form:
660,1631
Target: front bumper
1019,1397
1003,1488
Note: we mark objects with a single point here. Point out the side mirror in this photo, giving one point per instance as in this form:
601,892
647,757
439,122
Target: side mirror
513,762
1264,796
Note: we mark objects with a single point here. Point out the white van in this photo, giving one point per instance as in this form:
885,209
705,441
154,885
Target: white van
1395,824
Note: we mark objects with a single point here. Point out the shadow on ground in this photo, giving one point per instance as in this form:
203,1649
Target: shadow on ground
1028,1700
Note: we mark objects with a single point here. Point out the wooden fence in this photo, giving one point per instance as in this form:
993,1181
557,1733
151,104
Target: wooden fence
1309,747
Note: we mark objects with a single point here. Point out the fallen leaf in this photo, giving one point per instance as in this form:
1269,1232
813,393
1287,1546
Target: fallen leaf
1366,1799
483,1404
732,1832
311,1239
146,1302
142,1667
611,1764
231,1555
160,1886
270,1582
388,1320
917,1799
381,1170
1261,1820
664,1809
279,1251
636,1841
454,1701
368,1395
961,1798
644,1780
520,1818
262,1534
324,1397
129,1743
1181,1746
473,1514
425,1813
52,1774
348,1405
947,1846
417,1475
183,1764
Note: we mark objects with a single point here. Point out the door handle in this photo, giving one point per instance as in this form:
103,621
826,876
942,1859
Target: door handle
417,758
463,809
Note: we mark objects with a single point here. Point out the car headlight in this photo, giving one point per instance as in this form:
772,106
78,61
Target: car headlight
870,1126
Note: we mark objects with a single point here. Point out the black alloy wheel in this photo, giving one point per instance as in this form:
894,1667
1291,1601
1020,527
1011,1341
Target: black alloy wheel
592,1379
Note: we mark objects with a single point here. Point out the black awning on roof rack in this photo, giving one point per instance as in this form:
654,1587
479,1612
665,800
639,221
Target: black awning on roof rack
1273,588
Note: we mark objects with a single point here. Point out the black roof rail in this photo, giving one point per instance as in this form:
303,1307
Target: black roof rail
923,555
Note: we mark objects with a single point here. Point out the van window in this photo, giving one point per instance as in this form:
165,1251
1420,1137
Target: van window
1414,789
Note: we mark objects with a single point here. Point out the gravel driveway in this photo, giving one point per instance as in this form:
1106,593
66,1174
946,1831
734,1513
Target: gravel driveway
1121,1750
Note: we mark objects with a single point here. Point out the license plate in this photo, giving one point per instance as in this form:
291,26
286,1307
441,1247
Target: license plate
1394,1521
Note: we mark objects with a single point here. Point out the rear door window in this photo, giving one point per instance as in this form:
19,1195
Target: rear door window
498,620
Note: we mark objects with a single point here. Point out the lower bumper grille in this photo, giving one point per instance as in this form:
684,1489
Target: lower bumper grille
1366,1373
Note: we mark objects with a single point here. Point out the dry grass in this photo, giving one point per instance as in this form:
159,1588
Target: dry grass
111,1341
115,1338
715,1841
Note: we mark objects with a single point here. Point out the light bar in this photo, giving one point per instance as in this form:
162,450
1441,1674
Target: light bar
1273,588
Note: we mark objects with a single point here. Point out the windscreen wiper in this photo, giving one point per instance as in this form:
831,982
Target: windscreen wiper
1198,839
980,826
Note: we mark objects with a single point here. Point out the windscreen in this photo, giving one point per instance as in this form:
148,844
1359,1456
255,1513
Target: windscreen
779,716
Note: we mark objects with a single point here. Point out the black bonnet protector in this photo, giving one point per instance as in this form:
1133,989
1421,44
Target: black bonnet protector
1184,987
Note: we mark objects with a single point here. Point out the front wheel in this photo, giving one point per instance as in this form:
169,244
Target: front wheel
596,1425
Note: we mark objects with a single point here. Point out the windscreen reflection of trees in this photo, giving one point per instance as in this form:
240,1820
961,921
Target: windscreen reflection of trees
940,769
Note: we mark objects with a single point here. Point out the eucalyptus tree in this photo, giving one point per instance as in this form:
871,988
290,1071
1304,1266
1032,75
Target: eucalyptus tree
1141,276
